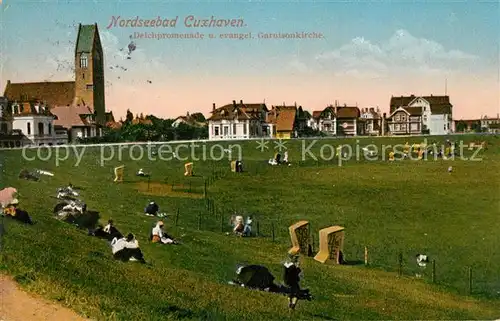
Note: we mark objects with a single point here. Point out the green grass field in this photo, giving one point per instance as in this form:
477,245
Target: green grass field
392,208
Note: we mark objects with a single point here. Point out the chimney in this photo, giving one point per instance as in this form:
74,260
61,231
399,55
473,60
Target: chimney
234,103
345,105
187,114
241,101
213,106
295,104
372,110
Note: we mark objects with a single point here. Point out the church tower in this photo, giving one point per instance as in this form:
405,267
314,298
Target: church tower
89,71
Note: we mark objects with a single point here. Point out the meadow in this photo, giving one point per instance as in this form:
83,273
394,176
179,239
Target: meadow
394,209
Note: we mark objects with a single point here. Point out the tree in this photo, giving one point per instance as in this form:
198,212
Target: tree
476,126
460,126
198,117
129,117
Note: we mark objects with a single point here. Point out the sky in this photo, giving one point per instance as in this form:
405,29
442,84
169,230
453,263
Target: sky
368,52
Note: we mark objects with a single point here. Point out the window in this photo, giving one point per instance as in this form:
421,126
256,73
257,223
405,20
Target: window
445,127
40,128
403,117
216,131
425,117
244,129
90,87
396,127
84,61
4,128
226,130
89,132
29,128
50,129
425,108
16,109
396,118
234,129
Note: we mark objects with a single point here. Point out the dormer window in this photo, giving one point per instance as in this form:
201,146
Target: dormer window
222,112
84,61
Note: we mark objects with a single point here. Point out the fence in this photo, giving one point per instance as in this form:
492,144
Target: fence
214,216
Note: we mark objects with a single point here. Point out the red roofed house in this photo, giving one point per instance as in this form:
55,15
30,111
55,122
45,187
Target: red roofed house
419,115
79,105
281,121
238,121
349,121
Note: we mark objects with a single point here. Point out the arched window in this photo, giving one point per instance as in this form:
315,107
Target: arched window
40,128
29,128
84,62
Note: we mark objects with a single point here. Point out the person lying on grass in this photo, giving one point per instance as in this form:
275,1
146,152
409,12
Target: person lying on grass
108,232
12,211
158,235
127,249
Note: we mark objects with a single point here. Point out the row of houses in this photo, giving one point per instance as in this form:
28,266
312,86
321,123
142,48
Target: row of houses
409,115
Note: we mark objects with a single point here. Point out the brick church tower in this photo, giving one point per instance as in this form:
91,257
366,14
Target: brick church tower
89,71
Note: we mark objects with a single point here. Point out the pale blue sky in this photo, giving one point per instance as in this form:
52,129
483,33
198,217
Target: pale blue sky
470,26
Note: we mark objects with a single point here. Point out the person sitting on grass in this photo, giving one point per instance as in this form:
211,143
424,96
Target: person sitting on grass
242,228
158,235
108,232
141,173
127,249
153,210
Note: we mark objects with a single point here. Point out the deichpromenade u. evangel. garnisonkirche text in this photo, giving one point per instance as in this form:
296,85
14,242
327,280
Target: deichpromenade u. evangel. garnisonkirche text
190,21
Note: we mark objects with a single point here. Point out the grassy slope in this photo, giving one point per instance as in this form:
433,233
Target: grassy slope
387,207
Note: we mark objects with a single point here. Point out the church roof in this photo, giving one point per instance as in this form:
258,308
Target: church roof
85,39
58,93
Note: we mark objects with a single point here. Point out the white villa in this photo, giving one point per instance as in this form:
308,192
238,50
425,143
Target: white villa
238,121
420,115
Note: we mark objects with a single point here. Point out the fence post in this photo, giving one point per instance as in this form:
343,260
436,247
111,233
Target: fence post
400,261
433,271
470,280
177,217
366,255
258,229
272,227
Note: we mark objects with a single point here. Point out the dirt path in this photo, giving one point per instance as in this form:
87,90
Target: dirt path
17,305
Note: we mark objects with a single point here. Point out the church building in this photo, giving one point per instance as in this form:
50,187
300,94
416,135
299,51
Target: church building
79,105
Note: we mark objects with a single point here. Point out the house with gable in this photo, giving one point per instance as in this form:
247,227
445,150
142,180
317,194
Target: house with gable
281,121
325,120
349,121
372,120
238,121
79,104
420,115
